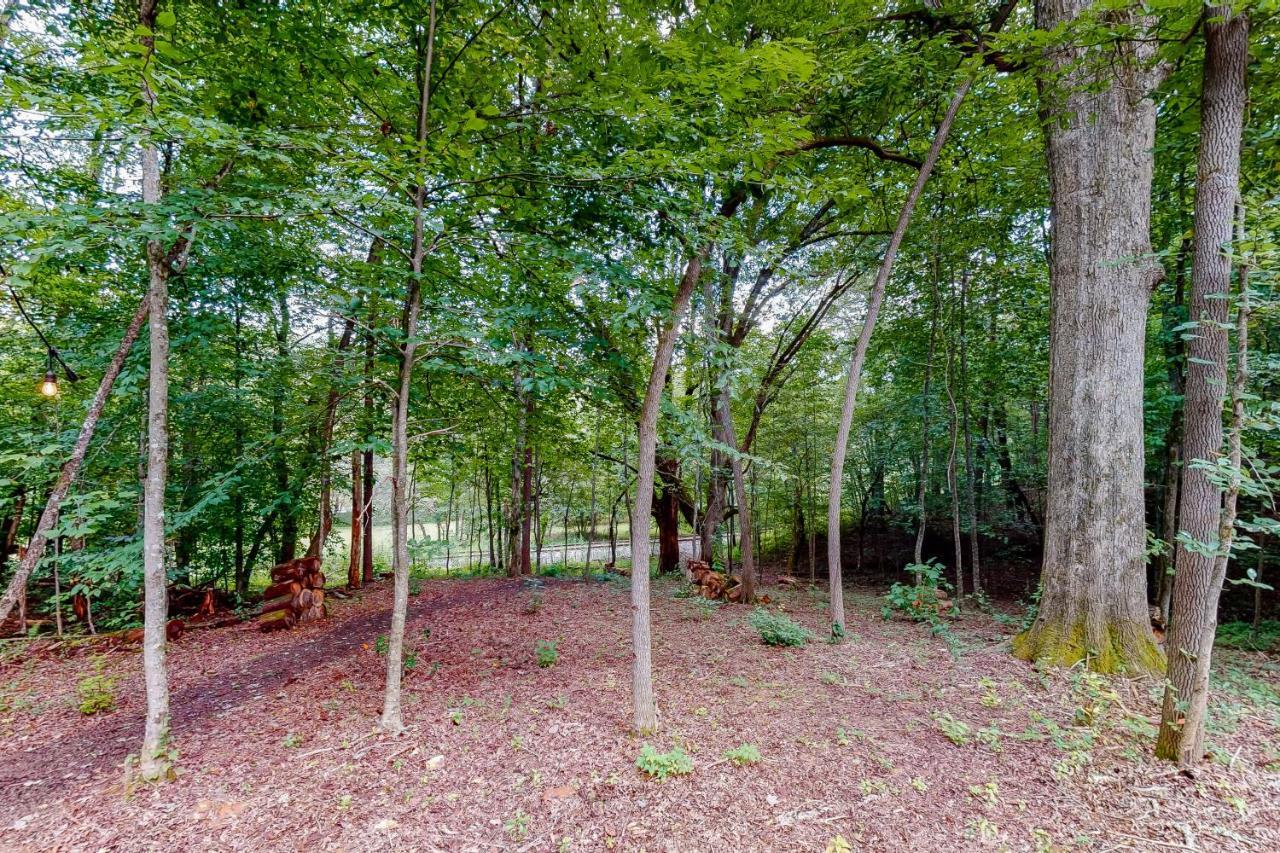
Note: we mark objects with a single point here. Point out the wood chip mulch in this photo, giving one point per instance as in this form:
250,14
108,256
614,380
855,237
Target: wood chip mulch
278,749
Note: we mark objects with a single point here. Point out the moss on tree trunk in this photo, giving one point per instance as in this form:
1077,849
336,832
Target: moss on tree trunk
1109,647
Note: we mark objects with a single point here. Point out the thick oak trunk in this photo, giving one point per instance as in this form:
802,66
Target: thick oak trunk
1099,128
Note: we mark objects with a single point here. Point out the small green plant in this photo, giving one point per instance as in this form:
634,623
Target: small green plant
956,731
410,659
775,629
97,692
661,765
742,756
415,586
919,784
546,654
832,678
981,828
381,645
990,738
292,740
988,793
517,826
871,787
739,681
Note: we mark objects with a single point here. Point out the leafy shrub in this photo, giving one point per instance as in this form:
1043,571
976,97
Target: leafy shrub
96,692
919,600
546,653
381,644
741,756
660,765
775,629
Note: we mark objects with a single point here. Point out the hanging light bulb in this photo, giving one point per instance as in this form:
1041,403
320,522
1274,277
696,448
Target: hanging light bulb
49,387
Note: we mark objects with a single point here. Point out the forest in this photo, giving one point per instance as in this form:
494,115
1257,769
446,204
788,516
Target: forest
814,425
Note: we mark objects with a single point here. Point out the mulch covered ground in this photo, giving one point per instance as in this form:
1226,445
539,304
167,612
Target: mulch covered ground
892,740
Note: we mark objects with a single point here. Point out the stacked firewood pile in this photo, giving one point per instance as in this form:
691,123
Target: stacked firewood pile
713,585
296,595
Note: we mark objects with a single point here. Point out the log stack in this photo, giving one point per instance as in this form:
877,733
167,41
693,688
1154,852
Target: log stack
713,585
716,586
296,595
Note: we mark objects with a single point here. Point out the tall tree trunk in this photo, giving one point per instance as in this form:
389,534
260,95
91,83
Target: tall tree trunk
392,721
366,557
526,507
952,485
725,416
154,762
488,514
357,521
854,377
645,707
1204,518
1175,359
288,546
970,474
237,496
71,468
666,511
922,485
1099,124
325,523
591,529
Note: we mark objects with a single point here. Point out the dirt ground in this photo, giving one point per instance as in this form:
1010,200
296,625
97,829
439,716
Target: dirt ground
893,740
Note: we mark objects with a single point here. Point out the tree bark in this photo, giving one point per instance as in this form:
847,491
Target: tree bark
1099,124
392,720
154,762
854,377
1205,524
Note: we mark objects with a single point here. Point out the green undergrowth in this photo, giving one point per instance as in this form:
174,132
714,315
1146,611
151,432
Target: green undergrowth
1242,635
